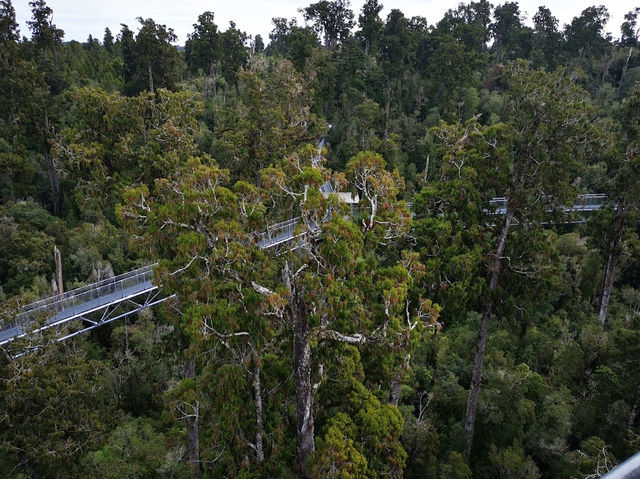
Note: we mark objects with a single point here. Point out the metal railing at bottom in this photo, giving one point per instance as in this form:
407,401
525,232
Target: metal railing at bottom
629,469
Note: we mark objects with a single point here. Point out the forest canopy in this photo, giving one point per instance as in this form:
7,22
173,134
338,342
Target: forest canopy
448,307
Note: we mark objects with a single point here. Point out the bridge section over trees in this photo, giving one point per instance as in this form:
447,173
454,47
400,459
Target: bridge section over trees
131,292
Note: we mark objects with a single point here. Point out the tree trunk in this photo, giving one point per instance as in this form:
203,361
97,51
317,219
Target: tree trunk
193,445
213,68
54,51
54,180
396,389
205,90
607,286
634,410
150,73
624,73
605,67
478,361
499,48
302,375
58,260
257,392
396,384
193,438
387,105
612,261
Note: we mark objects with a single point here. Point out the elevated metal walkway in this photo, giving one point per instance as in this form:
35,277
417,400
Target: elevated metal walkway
629,469
283,233
110,296
134,289
584,203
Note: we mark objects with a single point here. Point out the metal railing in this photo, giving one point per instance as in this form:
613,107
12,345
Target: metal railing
629,469
94,296
586,202
87,298
278,233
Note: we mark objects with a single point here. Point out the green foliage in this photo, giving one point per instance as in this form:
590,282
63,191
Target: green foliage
292,42
336,455
272,120
535,114
512,463
455,467
361,442
332,19
57,406
26,251
150,62
136,449
112,142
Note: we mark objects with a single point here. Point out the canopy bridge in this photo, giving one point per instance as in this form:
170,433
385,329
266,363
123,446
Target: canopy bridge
113,298
284,233
583,204
104,301
131,292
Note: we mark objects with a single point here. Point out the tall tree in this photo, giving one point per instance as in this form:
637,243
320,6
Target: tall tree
150,62
331,19
470,24
107,41
222,318
614,223
8,26
323,296
203,49
234,53
629,38
258,44
550,119
273,119
18,82
48,38
547,38
629,28
43,31
292,41
395,53
585,34
370,24
512,38
113,142
449,68
330,293
127,50
453,219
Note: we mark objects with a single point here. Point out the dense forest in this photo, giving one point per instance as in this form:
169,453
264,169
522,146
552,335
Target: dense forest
414,334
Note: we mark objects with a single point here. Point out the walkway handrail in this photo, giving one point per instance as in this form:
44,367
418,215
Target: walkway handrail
274,235
589,201
629,469
78,296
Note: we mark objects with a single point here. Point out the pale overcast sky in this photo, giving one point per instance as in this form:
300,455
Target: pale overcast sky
80,18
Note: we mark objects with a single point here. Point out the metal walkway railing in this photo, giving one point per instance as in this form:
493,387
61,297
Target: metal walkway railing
79,302
586,202
113,291
108,294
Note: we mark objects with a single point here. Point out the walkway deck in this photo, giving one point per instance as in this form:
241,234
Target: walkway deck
80,302
110,293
